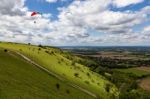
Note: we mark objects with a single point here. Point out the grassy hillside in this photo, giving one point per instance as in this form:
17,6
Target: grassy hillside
21,80
74,73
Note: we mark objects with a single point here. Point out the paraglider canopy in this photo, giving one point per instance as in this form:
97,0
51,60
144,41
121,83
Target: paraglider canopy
35,13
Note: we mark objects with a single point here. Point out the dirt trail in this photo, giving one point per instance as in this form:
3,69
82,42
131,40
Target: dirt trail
57,76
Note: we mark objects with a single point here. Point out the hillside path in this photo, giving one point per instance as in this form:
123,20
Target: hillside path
55,75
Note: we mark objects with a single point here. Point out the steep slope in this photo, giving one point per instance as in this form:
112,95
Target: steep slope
73,73
21,80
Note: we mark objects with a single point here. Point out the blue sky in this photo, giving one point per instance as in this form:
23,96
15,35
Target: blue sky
133,7
46,7
77,22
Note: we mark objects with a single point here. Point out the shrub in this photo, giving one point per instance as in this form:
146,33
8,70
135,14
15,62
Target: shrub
67,91
39,49
107,87
59,62
57,86
52,52
20,49
87,82
76,74
46,51
88,74
73,63
40,45
5,50
62,60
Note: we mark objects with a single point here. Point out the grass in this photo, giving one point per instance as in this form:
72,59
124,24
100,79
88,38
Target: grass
53,60
21,80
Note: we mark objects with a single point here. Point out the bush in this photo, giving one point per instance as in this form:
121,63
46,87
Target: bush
108,87
59,62
87,82
62,60
47,51
67,91
40,45
76,74
88,74
57,86
134,85
73,63
39,49
52,52
5,50
20,49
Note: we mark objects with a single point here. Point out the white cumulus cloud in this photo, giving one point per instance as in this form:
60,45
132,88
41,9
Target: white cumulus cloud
123,3
74,25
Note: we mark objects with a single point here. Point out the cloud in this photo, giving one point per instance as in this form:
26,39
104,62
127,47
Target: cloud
81,16
124,3
50,1
12,7
100,18
17,25
74,25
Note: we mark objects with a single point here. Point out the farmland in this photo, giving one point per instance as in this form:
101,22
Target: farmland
138,71
126,67
145,84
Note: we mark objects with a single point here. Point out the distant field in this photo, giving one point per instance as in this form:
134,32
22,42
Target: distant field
117,55
146,69
145,83
53,60
138,71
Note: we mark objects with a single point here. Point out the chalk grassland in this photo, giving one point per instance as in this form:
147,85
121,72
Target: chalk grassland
53,60
21,80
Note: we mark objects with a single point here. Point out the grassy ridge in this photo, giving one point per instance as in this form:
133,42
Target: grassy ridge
21,80
52,59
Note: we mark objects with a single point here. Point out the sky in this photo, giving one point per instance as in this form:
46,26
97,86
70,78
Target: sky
76,22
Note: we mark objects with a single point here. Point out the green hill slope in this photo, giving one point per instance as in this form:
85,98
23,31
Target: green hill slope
21,80
72,73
